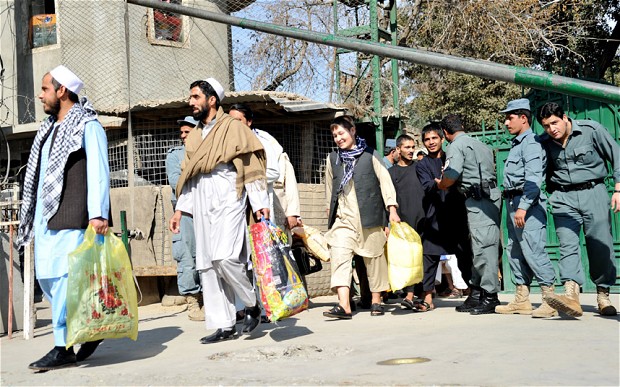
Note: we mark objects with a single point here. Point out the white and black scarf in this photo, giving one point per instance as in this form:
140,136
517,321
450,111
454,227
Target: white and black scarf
69,138
348,158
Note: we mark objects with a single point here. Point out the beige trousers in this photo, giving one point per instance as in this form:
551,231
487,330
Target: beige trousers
342,269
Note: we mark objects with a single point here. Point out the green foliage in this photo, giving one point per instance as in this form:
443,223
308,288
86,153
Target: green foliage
569,37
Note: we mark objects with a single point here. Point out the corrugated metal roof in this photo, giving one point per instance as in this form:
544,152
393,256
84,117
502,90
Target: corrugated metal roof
272,102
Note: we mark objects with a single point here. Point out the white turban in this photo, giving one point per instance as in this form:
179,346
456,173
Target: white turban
217,87
67,78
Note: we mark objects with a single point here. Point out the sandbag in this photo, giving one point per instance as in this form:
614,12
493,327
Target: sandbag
314,240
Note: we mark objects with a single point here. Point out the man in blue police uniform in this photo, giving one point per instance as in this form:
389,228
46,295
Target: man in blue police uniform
390,157
526,215
470,165
577,153
184,243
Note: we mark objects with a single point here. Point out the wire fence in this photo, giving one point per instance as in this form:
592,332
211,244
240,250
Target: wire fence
140,71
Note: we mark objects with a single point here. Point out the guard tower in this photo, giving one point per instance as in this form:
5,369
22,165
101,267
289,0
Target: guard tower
365,82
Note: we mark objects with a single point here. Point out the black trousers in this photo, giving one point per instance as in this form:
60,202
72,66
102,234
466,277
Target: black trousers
430,264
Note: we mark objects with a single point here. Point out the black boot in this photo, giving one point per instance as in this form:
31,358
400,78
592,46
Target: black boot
471,301
252,319
57,358
488,302
87,349
220,335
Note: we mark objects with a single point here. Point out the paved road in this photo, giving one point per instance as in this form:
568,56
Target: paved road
486,350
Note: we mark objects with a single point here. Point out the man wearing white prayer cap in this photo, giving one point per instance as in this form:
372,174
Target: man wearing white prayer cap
69,150
224,167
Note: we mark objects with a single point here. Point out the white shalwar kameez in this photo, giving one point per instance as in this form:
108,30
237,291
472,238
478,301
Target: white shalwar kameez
221,231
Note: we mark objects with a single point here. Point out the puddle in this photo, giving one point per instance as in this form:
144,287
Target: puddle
404,360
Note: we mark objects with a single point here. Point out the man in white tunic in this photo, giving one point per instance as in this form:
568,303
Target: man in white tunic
224,167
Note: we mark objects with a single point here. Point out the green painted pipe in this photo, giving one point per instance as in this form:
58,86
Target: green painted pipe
536,79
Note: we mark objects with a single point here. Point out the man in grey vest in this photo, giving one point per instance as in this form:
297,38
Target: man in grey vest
578,152
470,165
66,189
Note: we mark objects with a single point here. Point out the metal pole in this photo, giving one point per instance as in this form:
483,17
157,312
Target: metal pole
536,79
10,317
336,57
377,117
395,74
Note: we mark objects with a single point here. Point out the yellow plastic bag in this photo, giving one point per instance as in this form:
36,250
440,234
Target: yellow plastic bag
101,295
314,240
404,255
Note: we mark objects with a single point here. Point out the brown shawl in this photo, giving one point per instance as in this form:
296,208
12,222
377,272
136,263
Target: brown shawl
228,141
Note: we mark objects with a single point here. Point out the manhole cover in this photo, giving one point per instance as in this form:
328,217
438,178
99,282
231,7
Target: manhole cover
404,360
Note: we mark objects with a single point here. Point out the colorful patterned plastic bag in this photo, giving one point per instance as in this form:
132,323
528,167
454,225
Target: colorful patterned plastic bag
404,255
281,288
101,295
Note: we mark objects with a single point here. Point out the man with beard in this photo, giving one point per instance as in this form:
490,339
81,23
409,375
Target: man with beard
470,166
69,150
578,152
445,226
409,195
224,166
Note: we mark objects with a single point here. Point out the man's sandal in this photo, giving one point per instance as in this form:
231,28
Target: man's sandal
338,312
425,307
376,310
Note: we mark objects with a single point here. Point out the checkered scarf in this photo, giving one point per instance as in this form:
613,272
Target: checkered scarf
69,138
348,158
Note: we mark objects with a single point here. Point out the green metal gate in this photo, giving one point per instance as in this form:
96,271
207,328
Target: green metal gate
499,139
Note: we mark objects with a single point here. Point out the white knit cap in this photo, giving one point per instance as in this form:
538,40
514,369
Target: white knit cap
67,78
217,87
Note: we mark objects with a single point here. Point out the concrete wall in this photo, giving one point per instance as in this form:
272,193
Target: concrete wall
91,42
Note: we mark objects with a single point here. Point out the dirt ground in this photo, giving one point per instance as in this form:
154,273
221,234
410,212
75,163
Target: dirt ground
441,347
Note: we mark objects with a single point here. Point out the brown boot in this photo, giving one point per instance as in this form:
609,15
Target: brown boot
605,308
173,300
195,309
569,302
520,305
544,310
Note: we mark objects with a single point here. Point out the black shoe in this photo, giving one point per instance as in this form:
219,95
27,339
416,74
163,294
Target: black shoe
220,335
471,301
87,349
251,320
240,315
488,302
57,358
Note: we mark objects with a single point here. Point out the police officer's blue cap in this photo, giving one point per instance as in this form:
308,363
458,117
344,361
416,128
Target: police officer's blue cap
390,143
517,104
188,120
